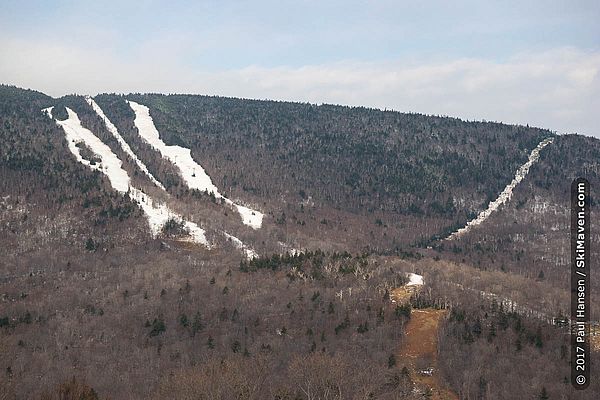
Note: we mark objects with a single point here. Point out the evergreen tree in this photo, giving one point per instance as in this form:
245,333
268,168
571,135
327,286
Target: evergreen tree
197,324
391,361
183,320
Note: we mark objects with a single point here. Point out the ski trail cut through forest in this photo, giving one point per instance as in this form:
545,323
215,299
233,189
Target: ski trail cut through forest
110,165
148,201
506,194
192,173
113,131
418,351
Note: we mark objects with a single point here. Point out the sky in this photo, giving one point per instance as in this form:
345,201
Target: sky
526,62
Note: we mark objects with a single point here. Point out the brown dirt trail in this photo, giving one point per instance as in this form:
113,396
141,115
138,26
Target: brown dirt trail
419,352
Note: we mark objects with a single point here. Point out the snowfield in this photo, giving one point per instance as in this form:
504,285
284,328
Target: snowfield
414,279
506,194
111,166
250,217
159,214
192,173
113,131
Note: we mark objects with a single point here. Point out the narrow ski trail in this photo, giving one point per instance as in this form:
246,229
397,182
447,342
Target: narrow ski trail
191,172
418,351
110,165
113,131
422,344
247,250
506,194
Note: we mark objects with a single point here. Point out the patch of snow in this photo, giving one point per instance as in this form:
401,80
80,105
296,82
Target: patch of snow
159,214
192,173
248,251
250,217
289,249
414,279
113,131
111,166
48,111
506,194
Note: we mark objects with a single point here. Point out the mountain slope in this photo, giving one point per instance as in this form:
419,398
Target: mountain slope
355,201
337,169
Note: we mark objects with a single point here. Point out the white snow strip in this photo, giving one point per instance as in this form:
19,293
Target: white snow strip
48,111
192,173
250,217
248,251
159,214
414,279
110,165
506,194
113,130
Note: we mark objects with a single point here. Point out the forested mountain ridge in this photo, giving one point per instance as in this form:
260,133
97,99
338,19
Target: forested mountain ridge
371,159
43,185
327,177
346,162
353,199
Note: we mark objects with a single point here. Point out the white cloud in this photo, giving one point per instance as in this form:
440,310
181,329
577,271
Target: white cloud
557,89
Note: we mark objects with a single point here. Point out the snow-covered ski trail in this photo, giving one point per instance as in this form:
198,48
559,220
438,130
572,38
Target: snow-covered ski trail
111,166
159,214
158,217
192,173
506,193
113,131
414,279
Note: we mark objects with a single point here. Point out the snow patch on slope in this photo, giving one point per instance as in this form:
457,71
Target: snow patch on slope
414,279
113,131
506,194
250,217
287,249
159,214
111,166
249,252
192,173
48,111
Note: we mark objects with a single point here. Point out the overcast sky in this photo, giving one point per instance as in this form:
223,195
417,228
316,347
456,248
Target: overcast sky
527,62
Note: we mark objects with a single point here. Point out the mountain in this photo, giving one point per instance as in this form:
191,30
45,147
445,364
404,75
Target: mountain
187,238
